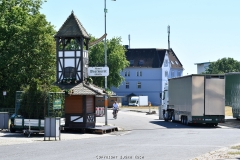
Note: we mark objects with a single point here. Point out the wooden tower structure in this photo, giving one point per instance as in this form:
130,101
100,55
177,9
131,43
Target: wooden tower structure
72,42
72,51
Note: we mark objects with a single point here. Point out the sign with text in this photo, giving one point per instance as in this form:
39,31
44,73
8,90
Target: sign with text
98,71
57,104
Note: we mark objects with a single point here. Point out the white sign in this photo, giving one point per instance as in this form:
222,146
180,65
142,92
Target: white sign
98,71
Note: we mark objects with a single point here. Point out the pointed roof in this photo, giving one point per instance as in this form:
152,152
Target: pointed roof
72,27
175,63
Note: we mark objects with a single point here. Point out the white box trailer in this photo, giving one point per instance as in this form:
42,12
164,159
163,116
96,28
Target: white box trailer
195,99
138,101
143,100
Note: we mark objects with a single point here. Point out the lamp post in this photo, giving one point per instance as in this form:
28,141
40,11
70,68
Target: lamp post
105,55
4,94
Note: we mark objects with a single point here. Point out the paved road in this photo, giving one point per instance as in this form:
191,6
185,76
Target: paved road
143,137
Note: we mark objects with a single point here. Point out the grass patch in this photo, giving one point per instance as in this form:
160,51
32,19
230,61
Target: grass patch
234,153
236,147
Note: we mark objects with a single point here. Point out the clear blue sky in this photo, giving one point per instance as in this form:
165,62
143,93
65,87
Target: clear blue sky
201,30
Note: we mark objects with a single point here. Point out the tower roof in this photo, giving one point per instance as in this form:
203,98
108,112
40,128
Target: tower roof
72,27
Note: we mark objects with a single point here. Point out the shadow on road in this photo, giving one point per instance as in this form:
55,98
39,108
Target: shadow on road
232,123
20,135
178,125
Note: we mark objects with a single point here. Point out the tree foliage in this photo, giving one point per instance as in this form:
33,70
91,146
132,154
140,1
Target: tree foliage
116,61
224,65
27,47
35,101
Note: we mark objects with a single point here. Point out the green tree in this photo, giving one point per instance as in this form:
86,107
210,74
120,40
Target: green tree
35,100
116,61
27,47
223,65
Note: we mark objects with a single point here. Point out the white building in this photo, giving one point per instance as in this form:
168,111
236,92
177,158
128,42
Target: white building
202,67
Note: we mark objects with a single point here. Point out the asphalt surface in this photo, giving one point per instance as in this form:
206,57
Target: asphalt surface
8,139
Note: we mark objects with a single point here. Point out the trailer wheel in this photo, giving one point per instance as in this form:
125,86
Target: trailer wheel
165,115
182,120
173,117
186,120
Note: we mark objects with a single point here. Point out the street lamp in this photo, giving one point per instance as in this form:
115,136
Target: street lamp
105,55
4,94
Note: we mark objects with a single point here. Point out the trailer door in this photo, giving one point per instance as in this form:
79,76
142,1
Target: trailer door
214,95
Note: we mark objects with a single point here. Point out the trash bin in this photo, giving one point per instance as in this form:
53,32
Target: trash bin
52,127
4,120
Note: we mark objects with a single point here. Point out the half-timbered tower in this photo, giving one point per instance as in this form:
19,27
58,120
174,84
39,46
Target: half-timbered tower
72,51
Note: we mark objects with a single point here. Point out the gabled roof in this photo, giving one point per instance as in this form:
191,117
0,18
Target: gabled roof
82,89
150,57
72,27
175,63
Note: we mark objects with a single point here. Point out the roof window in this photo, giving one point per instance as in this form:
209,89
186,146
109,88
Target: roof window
131,62
141,62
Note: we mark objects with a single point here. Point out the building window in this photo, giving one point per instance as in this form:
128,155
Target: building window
139,73
127,73
127,84
140,62
131,62
172,62
166,63
69,72
166,73
139,85
176,62
178,73
172,74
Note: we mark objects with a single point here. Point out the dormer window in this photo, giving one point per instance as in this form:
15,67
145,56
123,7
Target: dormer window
176,62
131,62
172,62
141,63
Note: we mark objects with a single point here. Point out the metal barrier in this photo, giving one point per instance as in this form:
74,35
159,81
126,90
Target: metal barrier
99,111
